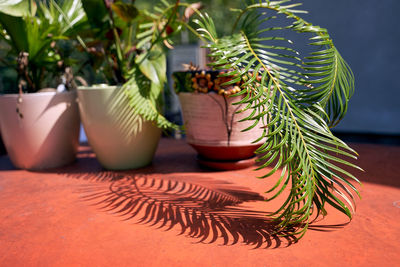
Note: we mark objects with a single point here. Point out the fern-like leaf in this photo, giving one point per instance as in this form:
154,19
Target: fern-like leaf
145,97
298,140
147,76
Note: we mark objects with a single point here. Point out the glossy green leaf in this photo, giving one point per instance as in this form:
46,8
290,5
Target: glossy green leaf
154,67
15,28
18,8
95,11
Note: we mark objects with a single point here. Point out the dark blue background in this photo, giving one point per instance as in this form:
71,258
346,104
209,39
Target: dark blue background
367,33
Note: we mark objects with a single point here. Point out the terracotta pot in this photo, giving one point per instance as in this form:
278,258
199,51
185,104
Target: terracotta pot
42,130
213,127
120,139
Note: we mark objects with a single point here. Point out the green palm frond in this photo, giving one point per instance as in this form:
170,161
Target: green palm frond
328,78
332,84
145,97
296,118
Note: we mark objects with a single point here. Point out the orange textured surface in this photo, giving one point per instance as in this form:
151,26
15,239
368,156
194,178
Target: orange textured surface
175,214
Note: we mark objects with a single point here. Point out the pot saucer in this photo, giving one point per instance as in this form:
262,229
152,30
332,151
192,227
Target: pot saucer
226,165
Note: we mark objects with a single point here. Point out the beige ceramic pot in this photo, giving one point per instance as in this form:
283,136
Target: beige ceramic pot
120,139
213,127
41,130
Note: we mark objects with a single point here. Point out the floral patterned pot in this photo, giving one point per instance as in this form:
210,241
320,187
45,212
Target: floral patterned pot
212,124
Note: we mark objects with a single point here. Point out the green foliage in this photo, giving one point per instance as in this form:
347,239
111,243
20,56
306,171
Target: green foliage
127,46
219,10
295,102
38,31
126,12
182,82
144,95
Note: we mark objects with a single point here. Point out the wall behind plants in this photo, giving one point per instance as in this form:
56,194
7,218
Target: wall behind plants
367,35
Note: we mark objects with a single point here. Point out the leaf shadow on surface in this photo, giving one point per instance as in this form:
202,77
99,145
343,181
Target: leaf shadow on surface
201,208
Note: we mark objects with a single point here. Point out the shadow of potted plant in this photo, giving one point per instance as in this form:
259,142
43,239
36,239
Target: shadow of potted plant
294,99
39,124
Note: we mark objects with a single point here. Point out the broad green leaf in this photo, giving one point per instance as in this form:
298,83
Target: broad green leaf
126,12
18,8
16,29
154,67
95,12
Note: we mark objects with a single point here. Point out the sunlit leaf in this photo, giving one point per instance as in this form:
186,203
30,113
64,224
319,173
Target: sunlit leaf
296,101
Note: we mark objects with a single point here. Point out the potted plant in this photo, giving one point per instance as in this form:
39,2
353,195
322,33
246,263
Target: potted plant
294,99
213,125
122,115
39,123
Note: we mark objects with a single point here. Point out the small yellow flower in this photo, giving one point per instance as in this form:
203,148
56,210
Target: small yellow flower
202,82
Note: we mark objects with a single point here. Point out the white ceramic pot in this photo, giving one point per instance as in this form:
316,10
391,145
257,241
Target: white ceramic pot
213,128
120,139
42,130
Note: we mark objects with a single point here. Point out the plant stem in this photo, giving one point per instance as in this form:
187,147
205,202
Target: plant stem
116,36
